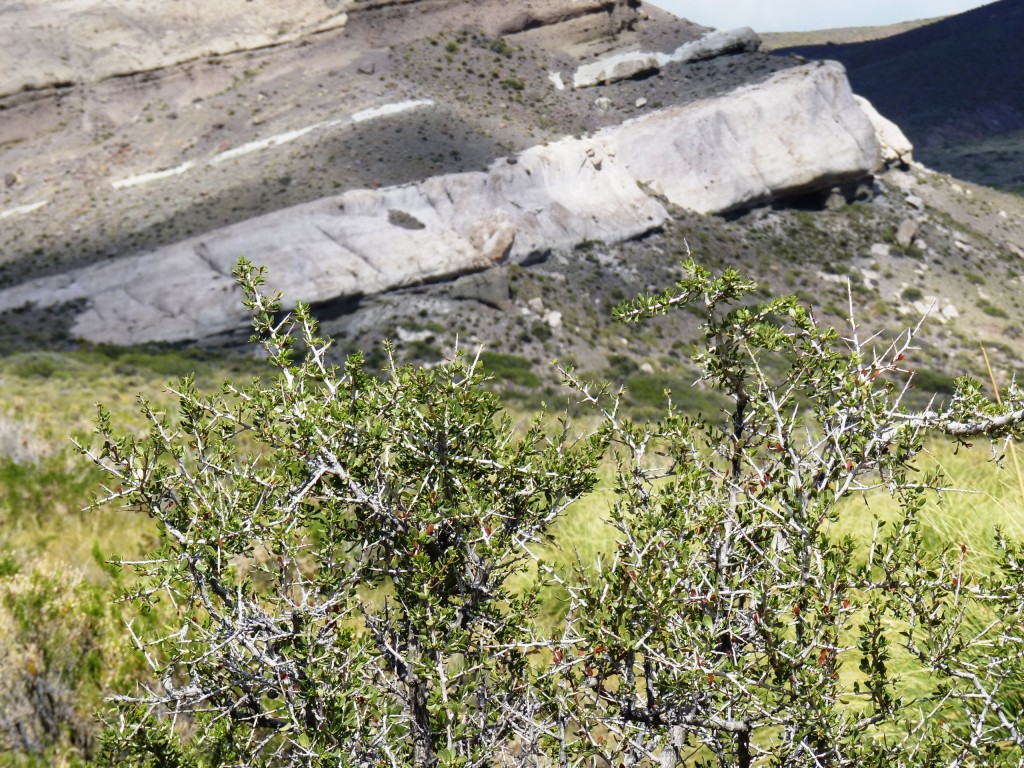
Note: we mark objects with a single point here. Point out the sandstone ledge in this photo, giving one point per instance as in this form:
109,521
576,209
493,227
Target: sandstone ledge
798,131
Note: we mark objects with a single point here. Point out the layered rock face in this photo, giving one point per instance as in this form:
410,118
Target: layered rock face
47,42
798,131
44,43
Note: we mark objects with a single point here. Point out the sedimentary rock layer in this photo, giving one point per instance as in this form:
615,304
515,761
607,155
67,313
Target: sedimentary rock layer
798,131
46,43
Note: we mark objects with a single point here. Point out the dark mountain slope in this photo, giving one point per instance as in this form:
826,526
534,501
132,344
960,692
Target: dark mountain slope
956,88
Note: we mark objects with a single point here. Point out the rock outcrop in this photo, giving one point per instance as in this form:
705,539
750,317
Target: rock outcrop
718,43
45,43
619,66
896,147
798,131
624,65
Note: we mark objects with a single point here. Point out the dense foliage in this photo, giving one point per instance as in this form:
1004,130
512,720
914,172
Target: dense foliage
336,547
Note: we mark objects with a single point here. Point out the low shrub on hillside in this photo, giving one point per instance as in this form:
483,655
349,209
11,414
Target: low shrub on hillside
338,550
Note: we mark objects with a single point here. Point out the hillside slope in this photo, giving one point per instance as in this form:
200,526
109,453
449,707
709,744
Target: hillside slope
98,174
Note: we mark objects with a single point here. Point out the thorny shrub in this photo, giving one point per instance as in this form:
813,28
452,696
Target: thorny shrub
335,549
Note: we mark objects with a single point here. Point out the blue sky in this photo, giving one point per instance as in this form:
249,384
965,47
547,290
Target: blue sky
797,15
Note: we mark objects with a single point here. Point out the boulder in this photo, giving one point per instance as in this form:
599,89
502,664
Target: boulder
44,43
718,43
896,148
906,232
798,131
611,69
836,199
490,287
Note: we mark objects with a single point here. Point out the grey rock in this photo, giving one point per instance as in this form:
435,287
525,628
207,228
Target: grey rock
864,191
399,218
836,200
906,233
43,43
603,103
620,66
718,43
407,336
490,287
915,202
